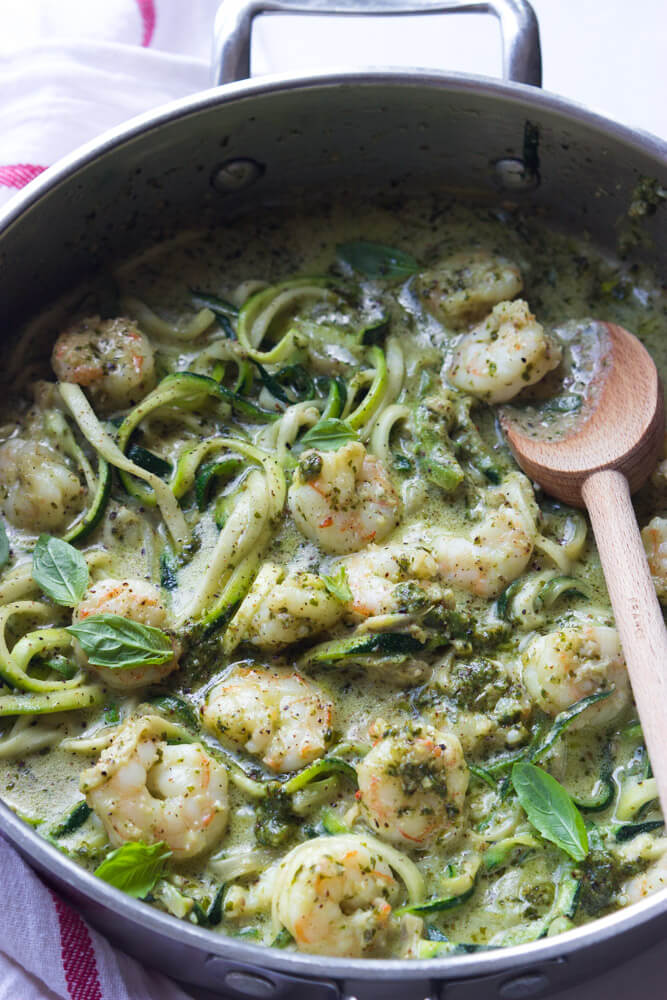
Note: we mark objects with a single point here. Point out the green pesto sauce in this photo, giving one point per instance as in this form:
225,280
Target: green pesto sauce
472,684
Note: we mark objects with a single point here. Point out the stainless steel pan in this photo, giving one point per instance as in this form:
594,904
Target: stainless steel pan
246,143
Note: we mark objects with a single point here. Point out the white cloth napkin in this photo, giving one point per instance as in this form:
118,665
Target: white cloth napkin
72,69
50,953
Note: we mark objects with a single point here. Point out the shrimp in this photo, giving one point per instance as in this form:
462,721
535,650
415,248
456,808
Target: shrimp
335,896
274,714
37,490
654,537
343,499
560,668
508,351
377,577
283,608
142,788
139,601
111,358
412,785
483,705
499,548
644,848
466,285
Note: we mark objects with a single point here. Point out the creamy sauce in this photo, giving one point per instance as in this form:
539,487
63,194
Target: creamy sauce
451,588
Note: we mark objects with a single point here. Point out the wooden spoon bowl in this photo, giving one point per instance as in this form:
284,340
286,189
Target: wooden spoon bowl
623,430
610,453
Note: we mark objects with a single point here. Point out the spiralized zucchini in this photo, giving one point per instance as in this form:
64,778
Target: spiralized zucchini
92,430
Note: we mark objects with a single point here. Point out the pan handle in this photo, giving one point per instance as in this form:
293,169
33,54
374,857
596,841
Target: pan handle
522,61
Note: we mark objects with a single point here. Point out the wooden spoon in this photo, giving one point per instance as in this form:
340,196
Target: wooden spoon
608,456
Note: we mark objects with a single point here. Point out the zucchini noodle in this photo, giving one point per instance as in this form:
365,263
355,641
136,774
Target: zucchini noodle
18,583
91,428
523,603
220,350
281,436
231,865
395,375
58,428
13,665
384,425
264,308
98,485
246,289
28,735
266,579
298,416
634,796
47,702
89,746
160,329
360,418
39,643
234,589
566,552
555,552
243,529
263,496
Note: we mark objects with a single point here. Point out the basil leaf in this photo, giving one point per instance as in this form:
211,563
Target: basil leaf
63,666
60,570
376,260
550,809
120,643
327,435
135,867
4,545
338,585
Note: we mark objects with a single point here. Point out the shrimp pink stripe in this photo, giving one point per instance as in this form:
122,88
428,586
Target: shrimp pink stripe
78,955
17,175
148,18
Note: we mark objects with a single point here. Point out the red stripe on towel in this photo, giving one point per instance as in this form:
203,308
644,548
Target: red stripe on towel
17,175
78,954
147,11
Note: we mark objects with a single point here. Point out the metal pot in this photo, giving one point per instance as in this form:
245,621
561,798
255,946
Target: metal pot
219,152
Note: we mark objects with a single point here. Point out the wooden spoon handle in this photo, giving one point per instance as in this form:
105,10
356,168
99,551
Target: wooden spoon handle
638,615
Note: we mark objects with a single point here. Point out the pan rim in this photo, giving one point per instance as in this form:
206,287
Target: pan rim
47,857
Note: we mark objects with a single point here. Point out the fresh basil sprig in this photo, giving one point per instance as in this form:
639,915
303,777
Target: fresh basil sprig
135,867
60,570
550,809
375,260
120,643
4,545
327,435
338,585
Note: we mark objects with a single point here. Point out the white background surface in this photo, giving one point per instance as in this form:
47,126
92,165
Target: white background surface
608,54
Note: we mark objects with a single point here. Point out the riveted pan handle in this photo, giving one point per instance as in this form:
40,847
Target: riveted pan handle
522,61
